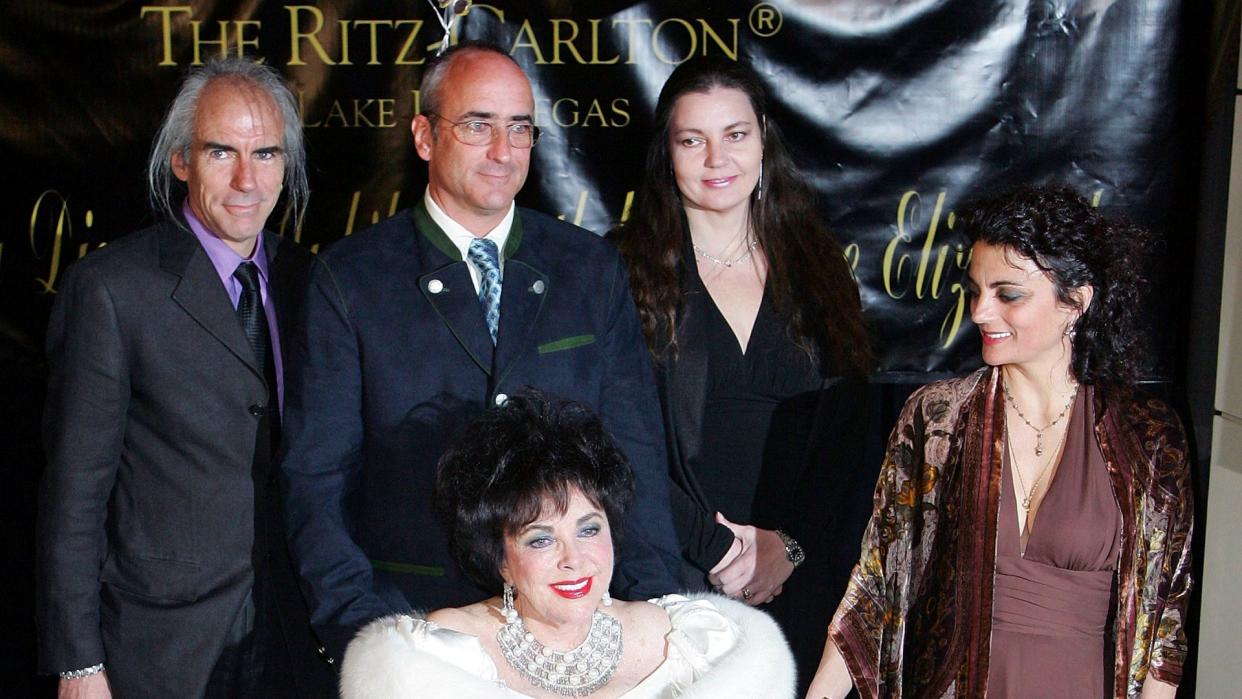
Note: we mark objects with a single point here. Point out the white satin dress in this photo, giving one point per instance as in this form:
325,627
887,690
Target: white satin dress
711,652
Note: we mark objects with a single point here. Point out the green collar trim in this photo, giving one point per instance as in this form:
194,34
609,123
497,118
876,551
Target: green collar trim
437,237
515,236
432,231
408,568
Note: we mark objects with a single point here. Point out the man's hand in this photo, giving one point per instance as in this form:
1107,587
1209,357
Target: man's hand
90,687
758,573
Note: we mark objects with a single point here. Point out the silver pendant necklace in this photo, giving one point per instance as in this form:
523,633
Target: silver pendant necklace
1039,433
1028,495
750,250
573,673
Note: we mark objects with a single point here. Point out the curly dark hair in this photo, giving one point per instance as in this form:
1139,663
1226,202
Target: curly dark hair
810,283
1075,245
514,461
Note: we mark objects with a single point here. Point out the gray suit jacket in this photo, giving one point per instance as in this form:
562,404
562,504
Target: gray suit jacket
154,488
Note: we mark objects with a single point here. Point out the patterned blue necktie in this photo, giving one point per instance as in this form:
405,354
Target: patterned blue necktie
484,255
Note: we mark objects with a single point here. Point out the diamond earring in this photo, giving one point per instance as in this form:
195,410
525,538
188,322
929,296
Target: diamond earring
507,607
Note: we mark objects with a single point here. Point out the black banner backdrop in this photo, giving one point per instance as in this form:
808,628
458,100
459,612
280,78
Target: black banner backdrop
897,113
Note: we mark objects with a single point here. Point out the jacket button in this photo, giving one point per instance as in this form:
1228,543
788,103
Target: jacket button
538,286
257,410
435,286
500,399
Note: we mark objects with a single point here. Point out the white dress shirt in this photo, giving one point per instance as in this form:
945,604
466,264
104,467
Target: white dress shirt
462,238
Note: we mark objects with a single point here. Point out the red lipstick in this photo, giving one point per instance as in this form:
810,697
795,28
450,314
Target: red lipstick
572,589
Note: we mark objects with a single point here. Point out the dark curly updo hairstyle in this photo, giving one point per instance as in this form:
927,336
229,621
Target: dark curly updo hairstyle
1067,238
513,462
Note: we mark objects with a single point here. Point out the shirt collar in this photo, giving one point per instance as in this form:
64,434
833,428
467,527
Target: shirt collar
457,233
223,257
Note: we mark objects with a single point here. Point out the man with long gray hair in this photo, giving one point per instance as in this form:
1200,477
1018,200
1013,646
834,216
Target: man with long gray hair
162,562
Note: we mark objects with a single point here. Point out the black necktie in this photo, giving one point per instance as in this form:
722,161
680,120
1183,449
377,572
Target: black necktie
254,322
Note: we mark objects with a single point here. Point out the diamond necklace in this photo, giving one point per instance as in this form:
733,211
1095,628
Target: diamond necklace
1039,434
572,673
750,250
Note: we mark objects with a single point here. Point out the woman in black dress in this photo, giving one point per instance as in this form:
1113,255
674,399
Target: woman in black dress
756,327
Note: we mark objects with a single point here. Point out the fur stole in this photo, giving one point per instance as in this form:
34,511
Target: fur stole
387,660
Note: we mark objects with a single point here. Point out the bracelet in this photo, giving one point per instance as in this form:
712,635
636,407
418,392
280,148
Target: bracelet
84,672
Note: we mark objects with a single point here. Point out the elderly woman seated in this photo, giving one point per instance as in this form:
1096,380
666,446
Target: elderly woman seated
533,495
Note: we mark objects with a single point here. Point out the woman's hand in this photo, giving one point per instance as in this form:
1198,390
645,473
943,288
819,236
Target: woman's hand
1155,689
758,573
731,555
832,679
89,687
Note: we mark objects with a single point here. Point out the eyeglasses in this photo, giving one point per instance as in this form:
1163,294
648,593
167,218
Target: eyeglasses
478,132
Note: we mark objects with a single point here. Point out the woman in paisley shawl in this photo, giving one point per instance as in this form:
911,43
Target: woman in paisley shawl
1032,522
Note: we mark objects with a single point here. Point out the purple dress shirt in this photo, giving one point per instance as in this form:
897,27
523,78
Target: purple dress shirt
225,260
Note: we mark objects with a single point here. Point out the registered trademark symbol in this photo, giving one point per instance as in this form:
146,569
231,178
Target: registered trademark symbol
765,19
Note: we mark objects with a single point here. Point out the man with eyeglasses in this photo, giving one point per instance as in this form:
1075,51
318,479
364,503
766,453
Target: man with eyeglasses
423,321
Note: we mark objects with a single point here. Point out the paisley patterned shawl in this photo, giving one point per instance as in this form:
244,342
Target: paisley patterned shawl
916,618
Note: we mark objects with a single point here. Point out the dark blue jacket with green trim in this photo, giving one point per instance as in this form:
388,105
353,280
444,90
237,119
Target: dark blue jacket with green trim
395,361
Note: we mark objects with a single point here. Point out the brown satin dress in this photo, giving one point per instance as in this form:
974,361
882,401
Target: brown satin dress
1051,605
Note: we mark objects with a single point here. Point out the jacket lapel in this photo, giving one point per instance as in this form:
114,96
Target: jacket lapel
526,287
200,294
290,267
450,291
279,288
979,509
1121,456
686,384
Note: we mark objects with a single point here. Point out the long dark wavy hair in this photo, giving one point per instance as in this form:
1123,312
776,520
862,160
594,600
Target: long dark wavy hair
809,282
1075,245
